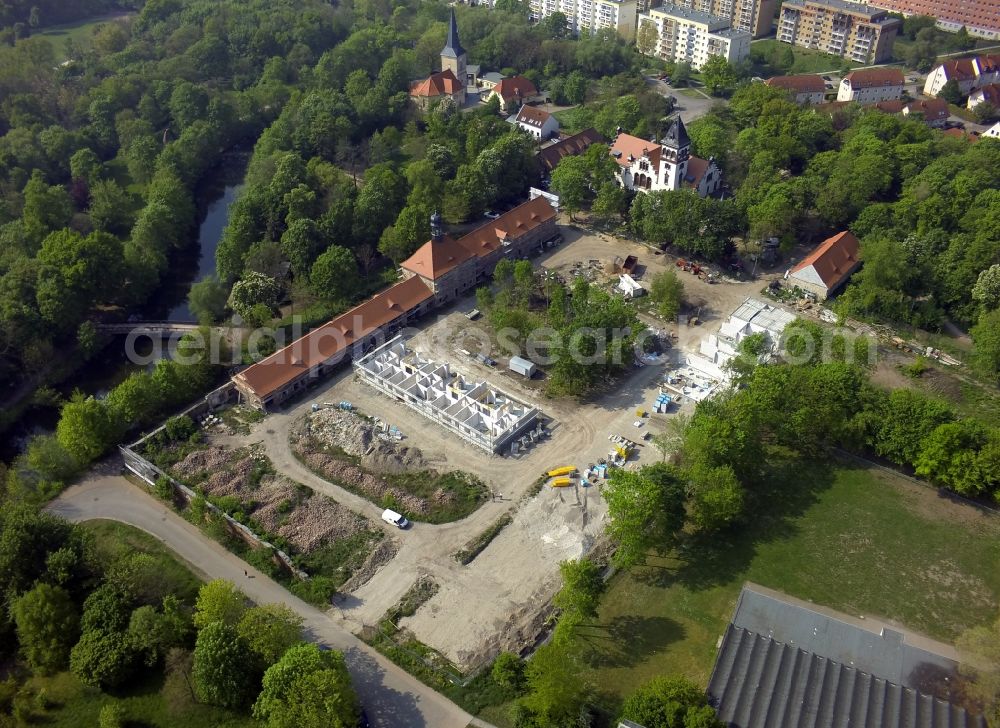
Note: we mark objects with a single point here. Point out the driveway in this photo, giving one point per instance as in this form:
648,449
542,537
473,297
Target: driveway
692,103
392,697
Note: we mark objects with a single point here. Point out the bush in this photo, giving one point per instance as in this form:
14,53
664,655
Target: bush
112,716
180,428
164,488
508,671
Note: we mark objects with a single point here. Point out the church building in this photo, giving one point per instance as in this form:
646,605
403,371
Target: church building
648,166
449,83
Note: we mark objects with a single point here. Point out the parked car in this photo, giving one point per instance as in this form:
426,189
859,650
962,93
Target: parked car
396,519
491,215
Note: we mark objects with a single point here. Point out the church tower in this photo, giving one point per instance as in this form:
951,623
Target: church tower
453,54
676,150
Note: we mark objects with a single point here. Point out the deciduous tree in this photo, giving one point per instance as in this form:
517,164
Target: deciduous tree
307,688
47,627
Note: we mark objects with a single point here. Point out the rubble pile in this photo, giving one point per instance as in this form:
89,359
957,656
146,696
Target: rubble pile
318,521
361,438
229,472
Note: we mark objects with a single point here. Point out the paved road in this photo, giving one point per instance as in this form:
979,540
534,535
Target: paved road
392,697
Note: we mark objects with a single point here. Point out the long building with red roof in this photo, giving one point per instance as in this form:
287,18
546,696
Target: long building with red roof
440,271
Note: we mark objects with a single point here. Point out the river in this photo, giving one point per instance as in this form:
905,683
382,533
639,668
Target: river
110,366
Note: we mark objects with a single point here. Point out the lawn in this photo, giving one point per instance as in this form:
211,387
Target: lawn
112,540
806,60
841,536
149,703
79,31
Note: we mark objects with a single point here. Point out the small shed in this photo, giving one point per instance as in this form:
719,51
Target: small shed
630,286
522,366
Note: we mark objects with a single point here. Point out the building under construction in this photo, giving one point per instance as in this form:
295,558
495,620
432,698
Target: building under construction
475,411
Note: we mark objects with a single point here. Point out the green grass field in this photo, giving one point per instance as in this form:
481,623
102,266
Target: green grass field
841,536
806,60
79,32
150,700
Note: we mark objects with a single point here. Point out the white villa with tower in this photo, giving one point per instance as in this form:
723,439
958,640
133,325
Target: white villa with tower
650,166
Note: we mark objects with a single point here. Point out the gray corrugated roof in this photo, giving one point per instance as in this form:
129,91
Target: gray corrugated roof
761,683
784,663
885,652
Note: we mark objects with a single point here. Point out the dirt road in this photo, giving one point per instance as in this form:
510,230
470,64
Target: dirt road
392,698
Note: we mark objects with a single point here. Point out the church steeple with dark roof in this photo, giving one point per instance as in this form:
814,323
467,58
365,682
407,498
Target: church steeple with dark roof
677,136
453,46
453,54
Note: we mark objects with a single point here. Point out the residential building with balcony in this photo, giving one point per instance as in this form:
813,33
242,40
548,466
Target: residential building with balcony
750,16
691,36
856,32
981,18
590,16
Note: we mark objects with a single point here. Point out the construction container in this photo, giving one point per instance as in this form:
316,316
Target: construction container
522,366
561,482
564,470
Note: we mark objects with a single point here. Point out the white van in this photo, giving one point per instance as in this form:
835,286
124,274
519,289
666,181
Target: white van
396,519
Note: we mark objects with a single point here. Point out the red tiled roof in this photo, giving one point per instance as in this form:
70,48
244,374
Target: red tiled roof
626,145
932,109
874,77
576,144
442,83
988,63
533,116
515,87
800,84
332,338
959,134
834,259
696,169
513,224
433,259
960,69
893,106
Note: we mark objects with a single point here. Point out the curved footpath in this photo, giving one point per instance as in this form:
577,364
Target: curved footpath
392,697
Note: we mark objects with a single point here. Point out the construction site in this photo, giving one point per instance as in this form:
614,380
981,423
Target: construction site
499,491
477,412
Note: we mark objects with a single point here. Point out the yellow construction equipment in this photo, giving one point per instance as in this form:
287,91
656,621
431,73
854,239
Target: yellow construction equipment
561,482
564,470
640,413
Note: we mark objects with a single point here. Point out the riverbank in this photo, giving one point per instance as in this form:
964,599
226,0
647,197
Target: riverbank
32,407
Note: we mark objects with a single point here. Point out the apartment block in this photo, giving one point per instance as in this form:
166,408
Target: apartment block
691,36
750,16
590,16
980,18
871,85
859,33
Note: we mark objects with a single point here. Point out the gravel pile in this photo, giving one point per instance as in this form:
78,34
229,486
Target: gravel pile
359,438
373,487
